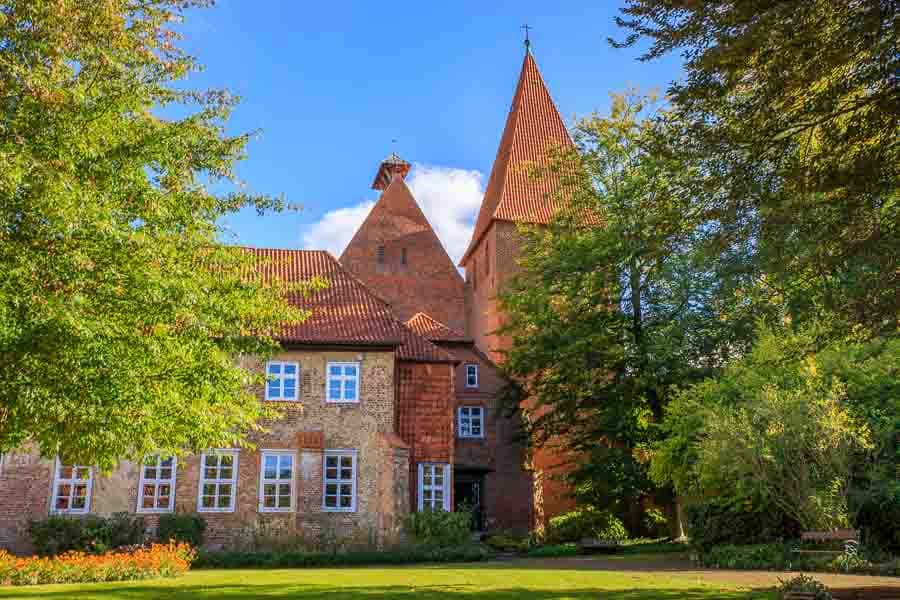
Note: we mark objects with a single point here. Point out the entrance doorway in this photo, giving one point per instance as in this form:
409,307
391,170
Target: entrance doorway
468,494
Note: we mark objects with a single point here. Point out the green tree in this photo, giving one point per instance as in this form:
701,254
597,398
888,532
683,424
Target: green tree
604,320
790,113
122,316
789,425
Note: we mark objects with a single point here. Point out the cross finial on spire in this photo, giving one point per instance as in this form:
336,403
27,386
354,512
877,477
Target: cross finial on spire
527,28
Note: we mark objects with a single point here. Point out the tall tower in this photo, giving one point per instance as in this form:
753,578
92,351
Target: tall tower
397,255
533,129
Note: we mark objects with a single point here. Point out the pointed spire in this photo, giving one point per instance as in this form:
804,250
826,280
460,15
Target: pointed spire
527,28
533,128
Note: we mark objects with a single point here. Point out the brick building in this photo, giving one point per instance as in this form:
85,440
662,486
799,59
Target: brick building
389,391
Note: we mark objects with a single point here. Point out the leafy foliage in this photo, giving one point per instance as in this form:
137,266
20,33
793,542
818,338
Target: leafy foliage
728,521
788,112
583,523
439,527
804,583
91,534
181,527
119,305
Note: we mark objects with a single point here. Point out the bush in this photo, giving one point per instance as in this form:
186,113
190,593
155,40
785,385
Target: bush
290,560
181,527
585,523
158,560
440,528
96,535
755,556
655,524
803,583
505,542
879,519
554,550
716,523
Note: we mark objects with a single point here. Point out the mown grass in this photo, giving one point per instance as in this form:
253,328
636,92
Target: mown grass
482,582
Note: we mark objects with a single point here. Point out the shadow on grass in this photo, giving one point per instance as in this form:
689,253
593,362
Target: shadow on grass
325,592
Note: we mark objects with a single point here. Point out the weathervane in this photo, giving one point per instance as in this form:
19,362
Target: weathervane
527,28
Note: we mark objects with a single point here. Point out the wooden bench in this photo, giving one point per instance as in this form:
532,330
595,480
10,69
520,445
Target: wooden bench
850,537
596,546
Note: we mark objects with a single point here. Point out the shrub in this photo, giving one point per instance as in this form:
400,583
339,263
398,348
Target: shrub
57,534
181,527
437,527
505,542
292,559
585,523
803,583
554,550
754,556
879,519
716,523
158,560
655,524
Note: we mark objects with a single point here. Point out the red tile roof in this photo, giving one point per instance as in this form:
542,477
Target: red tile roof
431,329
345,312
533,128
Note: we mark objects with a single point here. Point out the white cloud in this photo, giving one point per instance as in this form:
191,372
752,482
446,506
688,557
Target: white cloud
449,198
336,228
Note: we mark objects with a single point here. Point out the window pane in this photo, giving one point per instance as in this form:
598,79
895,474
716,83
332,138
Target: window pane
269,501
350,370
224,501
65,472
208,502
334,393
150,472
290,369
211,460
331,489
350,390
225,473
331,501
284,501
224,489
147,502
346,461
346,502
209,489
346,489
331,461
346,473
269,489
274,368
274,388
162,502
165,473
331,473
149,490
164,489
290,391
166,462
286,467
334,370
78,502
270,466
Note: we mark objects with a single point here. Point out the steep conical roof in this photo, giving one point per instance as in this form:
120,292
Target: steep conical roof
533,128
398,256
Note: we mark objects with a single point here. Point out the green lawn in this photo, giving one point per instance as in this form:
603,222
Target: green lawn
488,582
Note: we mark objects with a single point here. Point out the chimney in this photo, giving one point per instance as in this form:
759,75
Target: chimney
392,166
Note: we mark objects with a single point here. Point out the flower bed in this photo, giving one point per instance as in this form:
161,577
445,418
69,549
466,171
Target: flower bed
157,560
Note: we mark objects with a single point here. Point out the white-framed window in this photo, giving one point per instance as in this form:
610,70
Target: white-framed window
471,422
71,489
276,481
339,493
218,481
156,487
471,376
343,382
282,380
434,486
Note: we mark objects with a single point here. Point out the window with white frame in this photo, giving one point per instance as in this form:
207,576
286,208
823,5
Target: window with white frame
276,481
218,481
282,380
434,486
343,382
340,481
472,376
72,489
471,422
156,488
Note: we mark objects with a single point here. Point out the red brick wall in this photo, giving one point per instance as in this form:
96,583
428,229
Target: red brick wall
507,494
501,246
425,403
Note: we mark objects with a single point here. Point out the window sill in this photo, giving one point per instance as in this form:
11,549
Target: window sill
343,402
215,510
294,400
470,437
275,510
153,511
70,512
338,510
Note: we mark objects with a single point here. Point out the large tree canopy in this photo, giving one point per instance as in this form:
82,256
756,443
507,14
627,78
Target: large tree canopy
121,314
791,112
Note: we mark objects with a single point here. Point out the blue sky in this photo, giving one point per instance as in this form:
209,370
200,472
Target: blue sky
330,84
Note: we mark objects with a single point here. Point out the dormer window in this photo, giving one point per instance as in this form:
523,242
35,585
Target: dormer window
380,255
403,256
471,376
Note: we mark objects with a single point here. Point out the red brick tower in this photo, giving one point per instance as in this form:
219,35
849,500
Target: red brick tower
533,128
397,255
